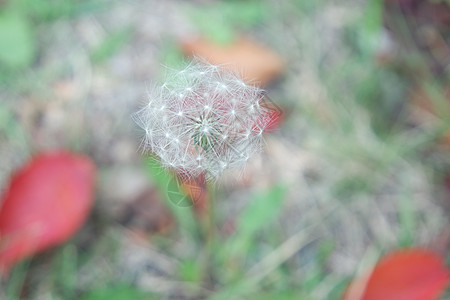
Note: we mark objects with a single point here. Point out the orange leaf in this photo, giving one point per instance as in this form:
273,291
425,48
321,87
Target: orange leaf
256,63
46,202
413,274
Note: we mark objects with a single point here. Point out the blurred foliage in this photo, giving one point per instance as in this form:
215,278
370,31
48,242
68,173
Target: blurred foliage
190,270
166,182
379,89
51,10
19,24
66,262
118,291
309,6
10,129
263,209
172,55
16,281
223,20
407,219
111,44
17,41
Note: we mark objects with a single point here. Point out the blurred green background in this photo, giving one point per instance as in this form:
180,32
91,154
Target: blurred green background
358,167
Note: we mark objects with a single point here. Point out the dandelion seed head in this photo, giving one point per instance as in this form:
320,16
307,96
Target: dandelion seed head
203,120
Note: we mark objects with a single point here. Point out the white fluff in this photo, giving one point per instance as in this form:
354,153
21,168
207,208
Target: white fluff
203,119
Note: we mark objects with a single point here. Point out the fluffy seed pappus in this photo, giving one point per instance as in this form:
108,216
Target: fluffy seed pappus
204,119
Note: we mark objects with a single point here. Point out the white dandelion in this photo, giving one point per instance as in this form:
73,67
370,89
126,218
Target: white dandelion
203,120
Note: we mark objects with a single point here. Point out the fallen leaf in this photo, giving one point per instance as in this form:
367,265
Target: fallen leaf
256,63
412,274
46,202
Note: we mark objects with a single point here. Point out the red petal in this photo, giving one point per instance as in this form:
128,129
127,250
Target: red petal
46,202
414,274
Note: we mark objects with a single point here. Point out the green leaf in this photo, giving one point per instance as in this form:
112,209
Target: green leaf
190,270
50,10
278,295
214,27
338,289
370,30
245,13
374,16
17,43
263,209
407,218
172,56
16,280
65,263
168,188
116,292
324,252
221,20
